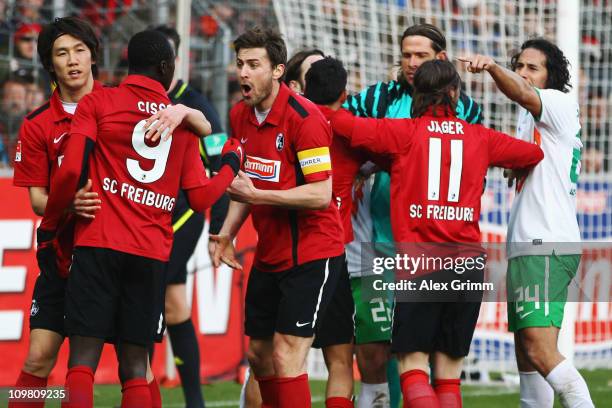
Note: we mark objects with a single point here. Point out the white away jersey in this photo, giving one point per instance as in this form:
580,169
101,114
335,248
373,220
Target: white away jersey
362,233
543,215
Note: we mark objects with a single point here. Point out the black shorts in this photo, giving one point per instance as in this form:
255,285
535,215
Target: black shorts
47,310
292,301
185,241
338,324
446,326
112,294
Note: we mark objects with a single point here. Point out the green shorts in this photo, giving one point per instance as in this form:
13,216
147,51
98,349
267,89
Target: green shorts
537,289
372,312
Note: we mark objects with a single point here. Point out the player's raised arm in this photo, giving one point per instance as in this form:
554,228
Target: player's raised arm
166,120
513,84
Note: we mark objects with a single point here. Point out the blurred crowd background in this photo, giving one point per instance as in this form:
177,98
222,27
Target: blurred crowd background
471,26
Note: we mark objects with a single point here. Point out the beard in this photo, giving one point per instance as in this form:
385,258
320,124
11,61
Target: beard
258,96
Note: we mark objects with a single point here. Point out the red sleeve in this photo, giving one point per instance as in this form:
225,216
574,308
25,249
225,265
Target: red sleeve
65,181
381,136
85,120
506,151
192,172
312,140
202,197
32,159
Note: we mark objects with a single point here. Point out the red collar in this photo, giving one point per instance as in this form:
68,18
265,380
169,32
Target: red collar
57,110
327,112
145,82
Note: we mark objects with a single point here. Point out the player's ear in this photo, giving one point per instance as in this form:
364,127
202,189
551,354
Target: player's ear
278,71
295,86
454,94
343,96
442,55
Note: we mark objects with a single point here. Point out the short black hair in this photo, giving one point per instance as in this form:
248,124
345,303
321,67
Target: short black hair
438,40
73,26
294,65
557,66
268,38
170,33
325,81
432,83
147,49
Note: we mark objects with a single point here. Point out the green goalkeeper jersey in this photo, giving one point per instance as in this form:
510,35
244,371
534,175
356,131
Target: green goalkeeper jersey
394,100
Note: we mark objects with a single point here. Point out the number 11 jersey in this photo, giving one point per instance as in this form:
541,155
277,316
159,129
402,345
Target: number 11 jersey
137,181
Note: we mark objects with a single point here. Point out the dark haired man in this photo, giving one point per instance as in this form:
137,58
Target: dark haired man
68,50
430,150
187,226
543,236
334,336
393,99
297,67
325,83
287,188
116,285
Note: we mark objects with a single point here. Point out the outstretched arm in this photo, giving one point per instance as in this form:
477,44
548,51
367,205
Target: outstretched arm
381,136
510,83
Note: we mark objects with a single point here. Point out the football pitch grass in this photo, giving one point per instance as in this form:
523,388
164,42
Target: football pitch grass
226,394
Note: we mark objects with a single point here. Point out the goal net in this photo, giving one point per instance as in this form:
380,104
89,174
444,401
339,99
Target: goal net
365,35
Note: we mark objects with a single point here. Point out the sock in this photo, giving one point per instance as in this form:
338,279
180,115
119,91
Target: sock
79,387
417,391
269,394
293,392
373,395
155,394
338,402
570,386
449,393
243,389
535,391
136,394
27,380
395,388
187,358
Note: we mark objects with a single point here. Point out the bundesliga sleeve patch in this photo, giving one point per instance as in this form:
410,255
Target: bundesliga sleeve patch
314,160
18,151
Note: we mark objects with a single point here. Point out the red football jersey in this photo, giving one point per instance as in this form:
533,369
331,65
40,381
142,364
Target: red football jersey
40,146
438,165
346,163
289,148
137,182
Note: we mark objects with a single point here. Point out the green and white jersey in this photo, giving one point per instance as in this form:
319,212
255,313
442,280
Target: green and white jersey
362,233
543,215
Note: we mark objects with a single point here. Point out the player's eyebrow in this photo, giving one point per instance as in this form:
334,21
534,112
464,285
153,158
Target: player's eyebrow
79,44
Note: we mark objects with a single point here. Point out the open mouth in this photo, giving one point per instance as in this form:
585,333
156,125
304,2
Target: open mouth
246,90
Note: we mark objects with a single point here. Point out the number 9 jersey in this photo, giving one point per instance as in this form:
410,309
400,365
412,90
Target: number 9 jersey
137,181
